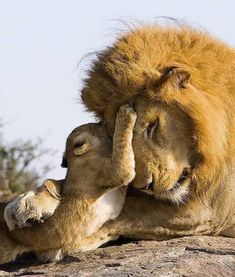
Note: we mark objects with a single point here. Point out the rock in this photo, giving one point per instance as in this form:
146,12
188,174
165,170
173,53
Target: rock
188,256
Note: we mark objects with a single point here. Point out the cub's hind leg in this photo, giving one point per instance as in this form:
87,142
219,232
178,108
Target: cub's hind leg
52,255
9,250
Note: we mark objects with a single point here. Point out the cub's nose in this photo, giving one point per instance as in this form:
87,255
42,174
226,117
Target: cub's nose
149,186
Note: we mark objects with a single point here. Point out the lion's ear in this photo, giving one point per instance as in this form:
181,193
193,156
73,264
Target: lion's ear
175,75
182,77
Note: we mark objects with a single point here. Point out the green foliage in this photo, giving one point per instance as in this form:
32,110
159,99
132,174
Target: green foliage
17,161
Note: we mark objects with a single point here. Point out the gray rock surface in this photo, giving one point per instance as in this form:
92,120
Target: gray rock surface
188,256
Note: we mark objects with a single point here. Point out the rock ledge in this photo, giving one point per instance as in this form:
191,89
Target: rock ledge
188,256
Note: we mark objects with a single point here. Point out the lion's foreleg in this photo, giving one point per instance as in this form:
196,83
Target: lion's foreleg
229,232
161,222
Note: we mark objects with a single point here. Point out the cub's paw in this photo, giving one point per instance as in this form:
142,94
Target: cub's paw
33,206
126,114
24,211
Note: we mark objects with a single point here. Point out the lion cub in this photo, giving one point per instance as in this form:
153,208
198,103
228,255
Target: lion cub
93,192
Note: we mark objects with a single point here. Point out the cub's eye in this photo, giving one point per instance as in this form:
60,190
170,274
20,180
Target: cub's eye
79,144
151,129
81,147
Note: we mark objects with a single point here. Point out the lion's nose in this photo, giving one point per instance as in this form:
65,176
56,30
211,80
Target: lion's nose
149,186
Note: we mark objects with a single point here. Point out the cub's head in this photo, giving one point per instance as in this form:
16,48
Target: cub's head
86,147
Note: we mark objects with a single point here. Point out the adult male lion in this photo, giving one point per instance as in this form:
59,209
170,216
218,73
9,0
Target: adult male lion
181,83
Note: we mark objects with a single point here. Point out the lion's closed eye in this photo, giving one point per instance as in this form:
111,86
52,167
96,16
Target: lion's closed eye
152,128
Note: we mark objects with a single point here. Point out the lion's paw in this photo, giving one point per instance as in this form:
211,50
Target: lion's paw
23,211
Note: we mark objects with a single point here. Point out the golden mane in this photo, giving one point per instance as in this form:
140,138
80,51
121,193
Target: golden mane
137,60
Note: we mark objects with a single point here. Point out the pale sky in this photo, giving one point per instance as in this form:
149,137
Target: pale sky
42,42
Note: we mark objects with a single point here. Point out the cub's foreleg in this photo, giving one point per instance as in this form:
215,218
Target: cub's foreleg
121,169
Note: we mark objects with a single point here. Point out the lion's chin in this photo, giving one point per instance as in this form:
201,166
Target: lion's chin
177,195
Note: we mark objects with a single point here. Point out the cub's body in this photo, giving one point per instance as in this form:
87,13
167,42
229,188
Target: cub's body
92,193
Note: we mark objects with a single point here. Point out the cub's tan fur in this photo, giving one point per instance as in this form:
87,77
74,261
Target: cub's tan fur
92,193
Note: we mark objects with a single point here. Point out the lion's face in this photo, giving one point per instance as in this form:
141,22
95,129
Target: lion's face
163,150
163,147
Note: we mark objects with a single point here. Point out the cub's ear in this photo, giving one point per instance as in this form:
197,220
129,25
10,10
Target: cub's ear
178,76
54,187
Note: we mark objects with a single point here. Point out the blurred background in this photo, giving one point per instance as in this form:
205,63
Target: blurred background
42,43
